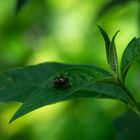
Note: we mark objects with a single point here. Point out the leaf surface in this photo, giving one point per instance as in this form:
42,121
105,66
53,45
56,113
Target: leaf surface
83,82
113,60
130,54
106,40
19,84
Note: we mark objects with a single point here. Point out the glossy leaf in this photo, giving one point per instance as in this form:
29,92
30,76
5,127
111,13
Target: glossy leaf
18,84
83,82
106,40
113,60
101,89
130,54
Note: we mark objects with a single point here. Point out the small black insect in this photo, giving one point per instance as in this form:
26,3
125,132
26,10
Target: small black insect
61,82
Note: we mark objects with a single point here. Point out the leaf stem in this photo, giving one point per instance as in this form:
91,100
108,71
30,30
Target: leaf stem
134,106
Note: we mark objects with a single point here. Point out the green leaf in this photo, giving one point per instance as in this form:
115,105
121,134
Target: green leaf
19,84
113,60
107,41
130,54
83,82
101,89
110,50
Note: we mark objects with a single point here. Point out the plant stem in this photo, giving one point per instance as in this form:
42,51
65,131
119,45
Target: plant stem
134,105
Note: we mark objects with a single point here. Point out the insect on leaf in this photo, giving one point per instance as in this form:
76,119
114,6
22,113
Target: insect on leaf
83,82
18,84
130,54
47,93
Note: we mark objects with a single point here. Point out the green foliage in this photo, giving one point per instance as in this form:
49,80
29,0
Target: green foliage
84,82
131,53
127,126
20,4
111,4
110,50
35,87
113,60
107,42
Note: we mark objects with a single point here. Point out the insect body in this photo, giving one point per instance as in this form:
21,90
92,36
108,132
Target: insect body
61,82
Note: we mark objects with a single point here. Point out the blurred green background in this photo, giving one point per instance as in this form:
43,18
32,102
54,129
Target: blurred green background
66,31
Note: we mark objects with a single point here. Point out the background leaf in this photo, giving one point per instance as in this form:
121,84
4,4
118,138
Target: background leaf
82,84
110,5
20,4
130,54
18,84
127,127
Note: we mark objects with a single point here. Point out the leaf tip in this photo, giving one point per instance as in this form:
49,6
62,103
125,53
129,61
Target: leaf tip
100,28
17,115
14,117
11,120
116,33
